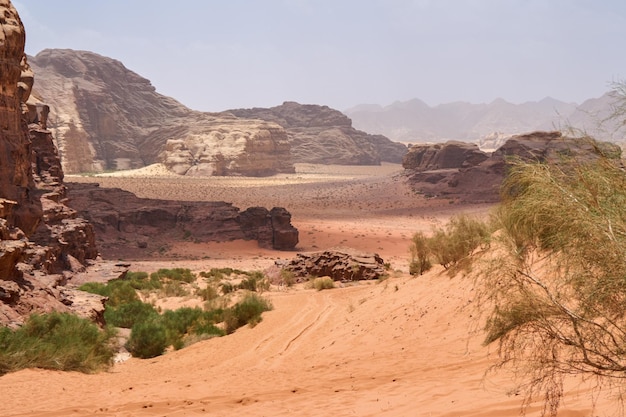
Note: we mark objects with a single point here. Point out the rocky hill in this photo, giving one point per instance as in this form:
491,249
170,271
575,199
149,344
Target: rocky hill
106,117
321,135
461,171
416,122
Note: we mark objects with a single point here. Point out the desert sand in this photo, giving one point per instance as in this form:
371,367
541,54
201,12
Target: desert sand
405,346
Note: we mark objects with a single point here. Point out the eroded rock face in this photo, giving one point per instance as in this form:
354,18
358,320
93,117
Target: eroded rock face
42,241
106,117
452,154
460,171
129,226
321,135
342,264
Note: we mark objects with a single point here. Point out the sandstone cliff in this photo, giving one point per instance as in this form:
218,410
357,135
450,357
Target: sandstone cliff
321,135
42,241
130,227
106,117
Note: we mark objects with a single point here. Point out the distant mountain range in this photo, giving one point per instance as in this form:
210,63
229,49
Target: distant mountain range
414,121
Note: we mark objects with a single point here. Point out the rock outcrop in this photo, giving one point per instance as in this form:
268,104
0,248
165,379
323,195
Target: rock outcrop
106,117
341,264
128,226
460,171
321,135
43,243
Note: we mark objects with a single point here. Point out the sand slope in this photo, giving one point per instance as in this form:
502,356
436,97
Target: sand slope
402,347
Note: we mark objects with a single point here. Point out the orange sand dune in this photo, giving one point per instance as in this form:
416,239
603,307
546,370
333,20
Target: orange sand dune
402,347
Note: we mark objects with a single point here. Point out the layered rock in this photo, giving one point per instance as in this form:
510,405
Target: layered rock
461,171
341,264
106,117
321,135
128,226
42,241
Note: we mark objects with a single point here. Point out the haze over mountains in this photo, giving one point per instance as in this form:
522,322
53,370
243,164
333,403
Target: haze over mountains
415,121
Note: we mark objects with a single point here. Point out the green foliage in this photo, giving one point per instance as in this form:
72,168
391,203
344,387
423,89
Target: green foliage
176,274
287,277
558,287
323,283
57,341
227,288
207,294
118,291
420,254
128,314
148,339
448,246
247,311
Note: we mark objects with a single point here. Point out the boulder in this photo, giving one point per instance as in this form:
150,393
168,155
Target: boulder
341,264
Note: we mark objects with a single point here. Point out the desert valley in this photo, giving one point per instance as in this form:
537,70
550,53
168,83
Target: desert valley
104,178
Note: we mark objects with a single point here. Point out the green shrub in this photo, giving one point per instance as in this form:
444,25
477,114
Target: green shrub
247,311
57,341
287,277
207,294
176,274
118,291
323,283
174,289
148,339
227,288
450,245
420,254
128,314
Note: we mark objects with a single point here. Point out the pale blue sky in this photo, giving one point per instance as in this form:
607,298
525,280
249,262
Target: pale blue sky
213,55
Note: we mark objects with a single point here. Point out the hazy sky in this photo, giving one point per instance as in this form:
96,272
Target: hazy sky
219,54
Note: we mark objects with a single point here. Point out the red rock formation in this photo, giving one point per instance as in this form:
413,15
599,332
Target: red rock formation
131,227
43,242
343,264
460,171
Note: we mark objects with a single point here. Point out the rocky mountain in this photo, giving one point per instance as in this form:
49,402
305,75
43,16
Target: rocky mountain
106,117
416,122
321,135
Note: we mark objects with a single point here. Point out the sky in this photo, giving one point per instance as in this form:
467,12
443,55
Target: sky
214,55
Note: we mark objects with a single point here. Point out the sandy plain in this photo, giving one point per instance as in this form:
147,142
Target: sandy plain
406,346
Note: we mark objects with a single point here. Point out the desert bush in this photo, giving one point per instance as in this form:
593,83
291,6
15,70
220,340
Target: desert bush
174,289
227,288
118,291
247,311
323,283
57,341
448,246
558,289
287,277
207,294
175,274
148,339
255,281
128,314
420,254
461,236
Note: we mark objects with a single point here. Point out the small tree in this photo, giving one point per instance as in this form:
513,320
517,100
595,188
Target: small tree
558,289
